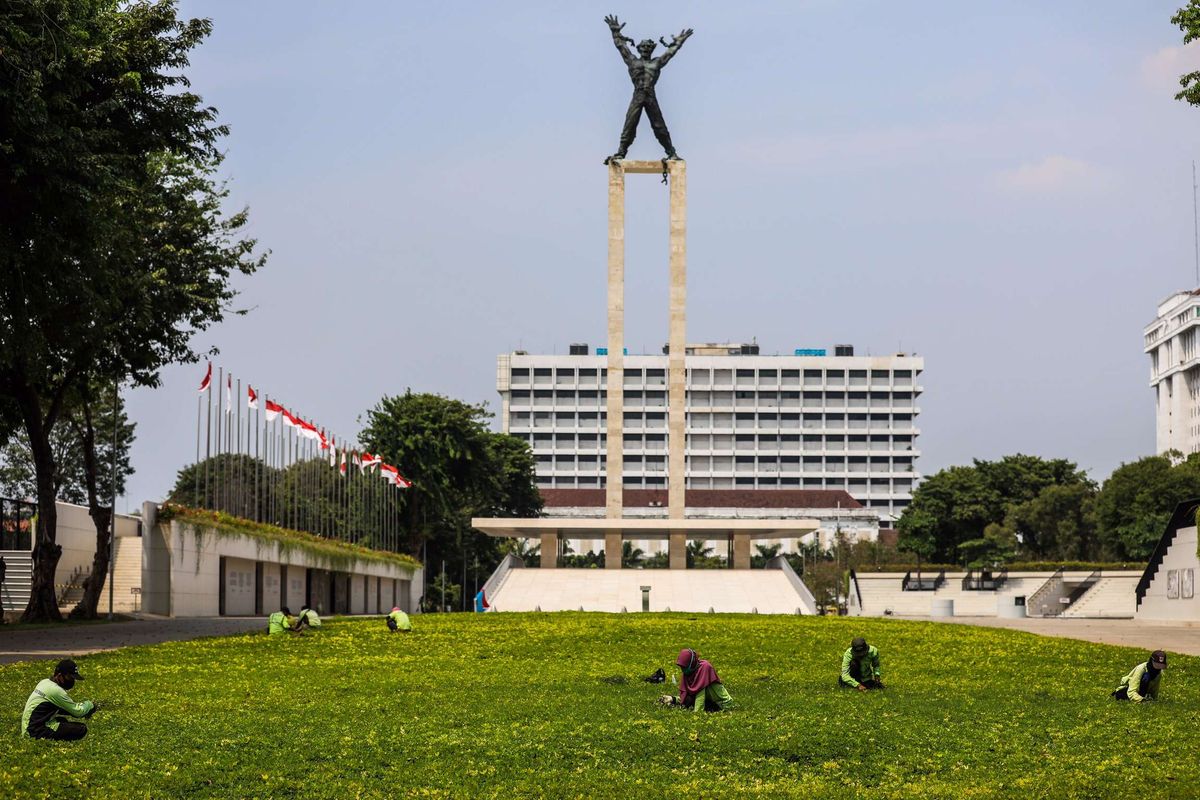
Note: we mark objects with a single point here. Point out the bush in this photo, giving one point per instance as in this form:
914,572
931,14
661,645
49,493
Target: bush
518,705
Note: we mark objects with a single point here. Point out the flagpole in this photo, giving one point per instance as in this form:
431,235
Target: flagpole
196,469
240,499
258,471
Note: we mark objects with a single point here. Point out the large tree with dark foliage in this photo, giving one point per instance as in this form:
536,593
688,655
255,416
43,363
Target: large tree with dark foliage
459,469
114,247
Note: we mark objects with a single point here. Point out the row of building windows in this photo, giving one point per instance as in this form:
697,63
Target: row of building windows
861,491
585,441
707,398
522,420
520,376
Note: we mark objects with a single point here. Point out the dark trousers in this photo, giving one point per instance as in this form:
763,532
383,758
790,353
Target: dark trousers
856,673
645,99
67,731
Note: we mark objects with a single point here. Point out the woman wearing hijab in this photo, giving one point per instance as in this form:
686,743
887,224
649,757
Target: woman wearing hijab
699,682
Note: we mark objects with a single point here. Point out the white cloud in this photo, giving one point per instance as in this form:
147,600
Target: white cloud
1161,70
1053,174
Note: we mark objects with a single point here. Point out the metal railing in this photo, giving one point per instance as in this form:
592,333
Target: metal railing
985,581
806,596
16,524
509,562
1037,605
911,583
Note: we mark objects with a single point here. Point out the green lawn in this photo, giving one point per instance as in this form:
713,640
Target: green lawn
552,705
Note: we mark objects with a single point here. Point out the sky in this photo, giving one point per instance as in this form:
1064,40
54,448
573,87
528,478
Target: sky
1004,188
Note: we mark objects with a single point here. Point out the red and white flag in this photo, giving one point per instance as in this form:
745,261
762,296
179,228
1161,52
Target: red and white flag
204,384
342,466
251,397
229,393
308,430
388,472
273,410
369,461
332,445
356,461
288,419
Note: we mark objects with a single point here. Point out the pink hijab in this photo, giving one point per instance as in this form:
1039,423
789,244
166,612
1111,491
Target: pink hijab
698,674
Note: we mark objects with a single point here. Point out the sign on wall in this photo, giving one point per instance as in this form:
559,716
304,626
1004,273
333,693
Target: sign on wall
1187,584
1172,584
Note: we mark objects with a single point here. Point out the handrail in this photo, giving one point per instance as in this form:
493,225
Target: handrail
968,583
806,595
987,581
1081,589
510,561
1035,599
1183,517
911,584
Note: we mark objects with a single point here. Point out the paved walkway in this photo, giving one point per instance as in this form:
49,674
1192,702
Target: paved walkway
62,641
1181,638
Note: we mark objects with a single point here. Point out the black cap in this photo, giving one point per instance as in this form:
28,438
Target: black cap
1158,659
67,667
859,644
286,610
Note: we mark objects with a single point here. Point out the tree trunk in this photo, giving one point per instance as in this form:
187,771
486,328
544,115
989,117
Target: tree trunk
93,585
43,603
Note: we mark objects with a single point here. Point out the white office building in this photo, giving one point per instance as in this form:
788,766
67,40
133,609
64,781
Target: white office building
1175,372
803,421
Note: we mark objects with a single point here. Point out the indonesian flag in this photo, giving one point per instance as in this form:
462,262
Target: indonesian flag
402,482
356,461
204,384
288,419
229,393
342,466
251,397
369,461
388,473
332,452
274,410
307,429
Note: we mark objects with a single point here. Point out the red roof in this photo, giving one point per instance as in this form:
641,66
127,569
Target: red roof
706,498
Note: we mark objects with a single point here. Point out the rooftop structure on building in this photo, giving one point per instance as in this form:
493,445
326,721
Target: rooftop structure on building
1171,342
806,421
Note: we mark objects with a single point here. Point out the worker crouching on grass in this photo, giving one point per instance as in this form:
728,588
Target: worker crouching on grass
699,686
280,622
860,666
45,709
397,620
308,618
1142,681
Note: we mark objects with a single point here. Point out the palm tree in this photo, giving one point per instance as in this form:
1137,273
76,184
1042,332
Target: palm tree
699,554
631,556
765,553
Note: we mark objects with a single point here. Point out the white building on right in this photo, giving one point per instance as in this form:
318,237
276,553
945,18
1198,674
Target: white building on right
1171,342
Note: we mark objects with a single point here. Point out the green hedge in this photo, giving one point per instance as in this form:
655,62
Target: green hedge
337,554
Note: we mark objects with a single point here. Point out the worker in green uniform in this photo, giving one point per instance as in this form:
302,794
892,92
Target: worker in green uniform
308,616
1142,681
280,622
397,620
45,709
860,666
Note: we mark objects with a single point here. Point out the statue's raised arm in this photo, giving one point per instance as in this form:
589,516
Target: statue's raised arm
619,39
674,45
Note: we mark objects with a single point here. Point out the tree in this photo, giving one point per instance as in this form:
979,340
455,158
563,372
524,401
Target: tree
631,556
764,553
957,504
1059,524
459,469
1187,19
1137,500
115,248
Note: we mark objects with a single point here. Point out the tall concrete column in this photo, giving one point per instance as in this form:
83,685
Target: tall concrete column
677,344
615,450
741,551
677,550
612,549
549,550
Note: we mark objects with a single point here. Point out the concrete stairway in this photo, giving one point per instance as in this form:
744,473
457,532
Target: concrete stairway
14,594
693,590
1113,597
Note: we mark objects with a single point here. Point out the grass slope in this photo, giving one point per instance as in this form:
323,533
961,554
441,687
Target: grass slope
552,705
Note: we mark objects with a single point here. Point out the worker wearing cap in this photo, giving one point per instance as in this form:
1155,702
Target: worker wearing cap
45,709
280,622
308,616
397,620
860,666
1142,682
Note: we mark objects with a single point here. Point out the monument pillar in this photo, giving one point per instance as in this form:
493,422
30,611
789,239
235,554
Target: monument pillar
741,550
676,335
615,407
677,550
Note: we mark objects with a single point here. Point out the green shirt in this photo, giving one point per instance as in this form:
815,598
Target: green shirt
309,617
402,621
868,664
45,704
278,623
717,693
1133,682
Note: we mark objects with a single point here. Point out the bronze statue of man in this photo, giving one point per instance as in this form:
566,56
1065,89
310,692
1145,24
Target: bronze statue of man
644,72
